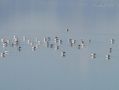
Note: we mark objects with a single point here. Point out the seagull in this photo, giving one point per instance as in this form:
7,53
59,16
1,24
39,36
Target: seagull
56,47
51,45
108,57
3,54
15,38
89,41
82,41
33,48
47,39
73,41
15,41
5,42
110,50
56,40
82,45
29,41
19,48
70,40
63,53
112,41
47,44
24,38
67,30
93,55
71,44
79,46
60,42
2,40
38,43
31,44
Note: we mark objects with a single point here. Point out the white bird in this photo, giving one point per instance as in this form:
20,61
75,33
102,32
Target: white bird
15,38
47,44
82,45
56,39
3,54
60,42
108,56
57,47
15,41
24,38
93,55
73,41
112,41
4,42
38,43
33,48
47,39
63,53
6,52
31,44
28,41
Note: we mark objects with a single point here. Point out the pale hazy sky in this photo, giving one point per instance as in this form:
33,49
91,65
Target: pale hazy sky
45,69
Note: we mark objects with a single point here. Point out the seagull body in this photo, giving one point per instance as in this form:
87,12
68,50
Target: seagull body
51,45
63,53
24,38
93,55
3,54
112,41
15,41
19,48
47,39
108,57
47,44
110,50
56,40
82,45
4,42
79,46
33,48
67,30
89,41
57,47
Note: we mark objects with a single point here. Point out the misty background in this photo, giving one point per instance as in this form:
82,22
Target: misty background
45,69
